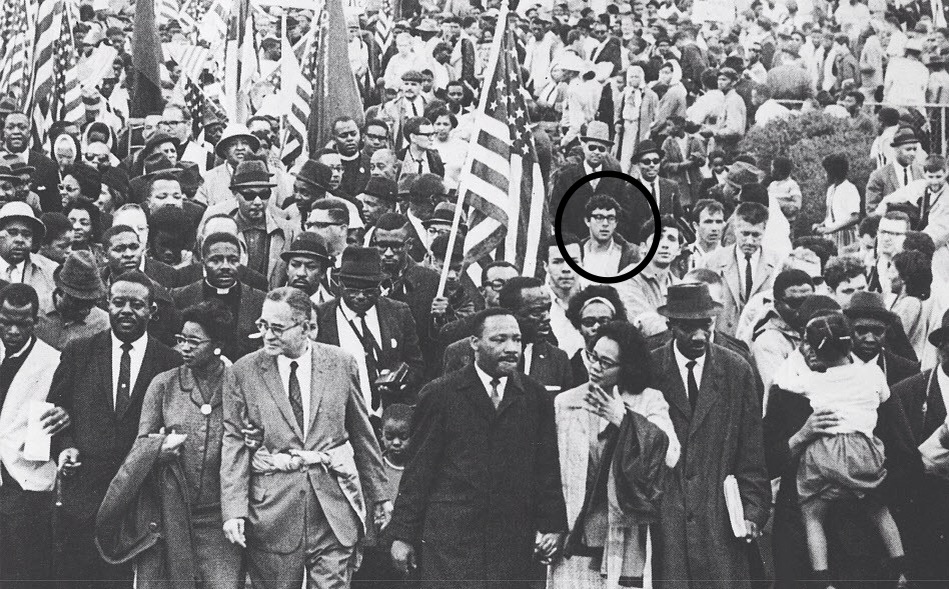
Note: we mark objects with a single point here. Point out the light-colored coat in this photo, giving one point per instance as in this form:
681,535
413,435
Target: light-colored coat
272,503
724,262
31,384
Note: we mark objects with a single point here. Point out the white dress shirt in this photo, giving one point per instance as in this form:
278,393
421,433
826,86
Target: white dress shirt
14,272
137,354
588,169
740,257
486,382
602,263
682,361
304,376
349,340
419,228
529,359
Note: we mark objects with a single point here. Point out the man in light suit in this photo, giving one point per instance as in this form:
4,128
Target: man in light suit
19,230
747,268
100,382
898,173
297,503
26,373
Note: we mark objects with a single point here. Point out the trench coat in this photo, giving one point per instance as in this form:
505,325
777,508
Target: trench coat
482,482
721,437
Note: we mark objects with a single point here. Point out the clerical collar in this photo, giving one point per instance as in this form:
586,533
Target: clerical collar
349,158
220,291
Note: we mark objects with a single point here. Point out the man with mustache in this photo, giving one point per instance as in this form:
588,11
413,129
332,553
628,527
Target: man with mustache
480,498
529,300
19,230
307,261
16,138
220,253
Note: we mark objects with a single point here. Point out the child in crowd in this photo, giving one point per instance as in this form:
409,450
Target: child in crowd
845,460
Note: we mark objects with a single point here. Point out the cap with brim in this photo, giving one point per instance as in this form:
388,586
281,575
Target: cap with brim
597,131
904,136
382,188
251,174
361,266
19,210
79,278
159,138
7,174
869,305
231,133
17,164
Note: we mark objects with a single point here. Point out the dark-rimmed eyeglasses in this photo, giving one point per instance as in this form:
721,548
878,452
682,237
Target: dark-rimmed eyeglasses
605,363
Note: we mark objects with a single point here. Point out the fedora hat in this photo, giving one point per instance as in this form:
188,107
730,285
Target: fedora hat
20,210
597,131
361,266
17,164
159,138
647,146
428,25
689,300
251,174
940,334
6,173
307,244
904,136
232,132
316,174
444,214
79,278
382,188
868,305
158,163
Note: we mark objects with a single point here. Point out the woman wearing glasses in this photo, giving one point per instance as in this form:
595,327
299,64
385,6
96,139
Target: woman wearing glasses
592,307
616,443
185,404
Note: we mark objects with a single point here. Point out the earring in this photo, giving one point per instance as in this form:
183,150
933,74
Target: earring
217,351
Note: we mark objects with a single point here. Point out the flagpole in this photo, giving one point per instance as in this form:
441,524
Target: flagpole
469,159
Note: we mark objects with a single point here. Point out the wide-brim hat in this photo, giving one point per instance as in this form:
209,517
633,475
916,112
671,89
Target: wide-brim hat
689,300
571,62
869,305
647,146
251,174
444,214
232,132
940,334
20,210
361,265
597,131
6,173
428,25
307,244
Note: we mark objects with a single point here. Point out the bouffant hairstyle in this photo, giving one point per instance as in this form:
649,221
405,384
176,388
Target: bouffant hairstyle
635,361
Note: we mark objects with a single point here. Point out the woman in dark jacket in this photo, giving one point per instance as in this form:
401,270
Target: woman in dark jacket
592,307
188,400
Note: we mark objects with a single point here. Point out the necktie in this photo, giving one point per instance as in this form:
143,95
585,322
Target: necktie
693,384
296,396
924,211
414,109
372,366
122,395
905,175
495,393
11,269
749,279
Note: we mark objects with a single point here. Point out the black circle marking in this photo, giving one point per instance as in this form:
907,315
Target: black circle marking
655,215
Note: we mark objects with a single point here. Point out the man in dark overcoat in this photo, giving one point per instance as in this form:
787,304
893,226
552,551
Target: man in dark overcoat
713,402
482,491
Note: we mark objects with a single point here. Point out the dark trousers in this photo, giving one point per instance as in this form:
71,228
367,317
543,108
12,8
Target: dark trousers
79,566
25,543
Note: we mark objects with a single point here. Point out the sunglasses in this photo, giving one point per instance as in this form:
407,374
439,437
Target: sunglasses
396,246
649,161
589,322
596,148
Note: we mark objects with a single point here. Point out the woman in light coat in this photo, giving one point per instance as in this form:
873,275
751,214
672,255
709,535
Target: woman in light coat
637,114
616,443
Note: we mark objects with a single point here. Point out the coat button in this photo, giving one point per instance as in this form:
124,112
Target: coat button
153,527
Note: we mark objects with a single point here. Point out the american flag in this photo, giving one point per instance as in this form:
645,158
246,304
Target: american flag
14,55
295,85
212,27
55,92
170,10
384,25
501,179
195,102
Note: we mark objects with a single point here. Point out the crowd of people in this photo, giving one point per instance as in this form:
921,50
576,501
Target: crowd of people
219,367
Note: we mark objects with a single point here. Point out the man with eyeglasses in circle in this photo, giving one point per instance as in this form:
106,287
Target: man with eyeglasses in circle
221,257
604,252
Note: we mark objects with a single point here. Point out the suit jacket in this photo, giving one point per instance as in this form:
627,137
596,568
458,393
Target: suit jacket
252,301
161,272
724,262
572,222
46,181
272,505
550,366
38,273
895,367
481,481
355,174
82,385
722,436
417,289
31,384
883,181
435,164
397,332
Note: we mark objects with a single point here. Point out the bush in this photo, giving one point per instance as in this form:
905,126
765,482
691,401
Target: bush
806,139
